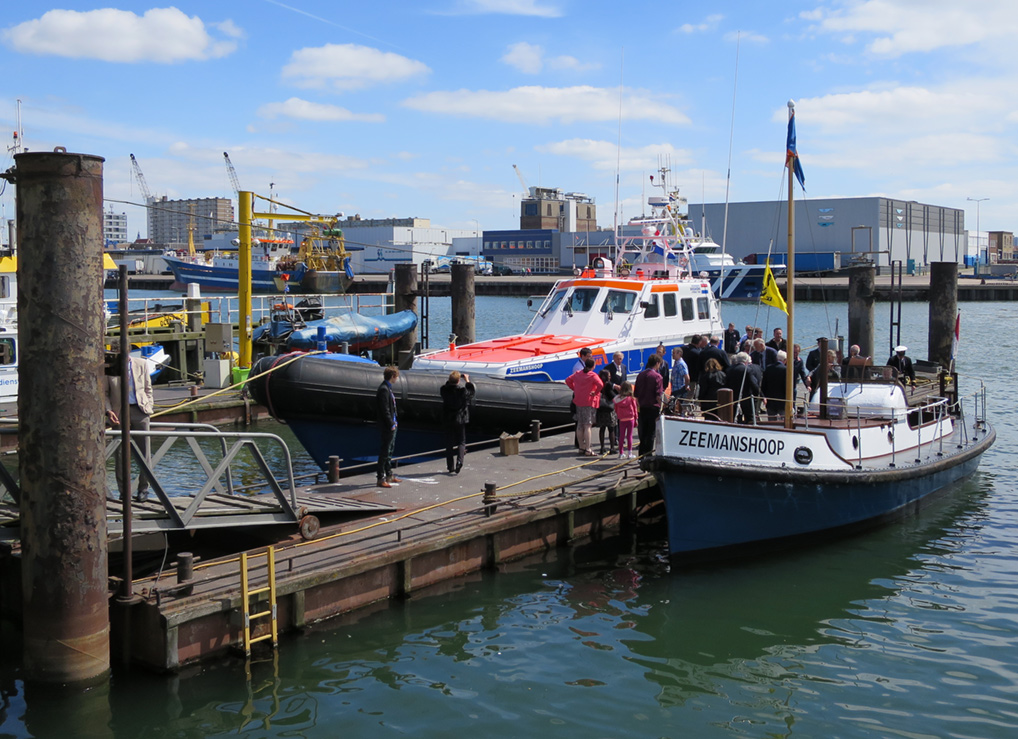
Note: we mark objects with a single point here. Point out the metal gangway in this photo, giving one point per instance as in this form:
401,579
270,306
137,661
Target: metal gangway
202,477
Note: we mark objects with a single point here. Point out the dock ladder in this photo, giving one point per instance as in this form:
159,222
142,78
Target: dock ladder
247,593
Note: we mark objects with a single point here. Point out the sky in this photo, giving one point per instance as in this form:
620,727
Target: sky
422,109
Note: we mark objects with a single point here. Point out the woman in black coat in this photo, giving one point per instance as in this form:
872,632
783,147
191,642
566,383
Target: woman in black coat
712,379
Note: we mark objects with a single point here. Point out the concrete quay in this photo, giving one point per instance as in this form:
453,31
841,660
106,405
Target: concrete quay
444,526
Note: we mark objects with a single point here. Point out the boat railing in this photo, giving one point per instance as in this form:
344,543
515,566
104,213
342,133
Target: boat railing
215,460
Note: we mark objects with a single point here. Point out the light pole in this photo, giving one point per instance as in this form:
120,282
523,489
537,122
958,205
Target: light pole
977,201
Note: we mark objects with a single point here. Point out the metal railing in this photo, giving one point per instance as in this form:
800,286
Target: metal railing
209,475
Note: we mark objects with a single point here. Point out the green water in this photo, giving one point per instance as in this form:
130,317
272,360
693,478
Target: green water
908,631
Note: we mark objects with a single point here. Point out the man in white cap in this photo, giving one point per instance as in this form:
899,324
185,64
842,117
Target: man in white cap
906,373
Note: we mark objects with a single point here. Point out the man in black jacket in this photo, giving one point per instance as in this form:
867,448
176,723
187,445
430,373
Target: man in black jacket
385,407
456,401
743,379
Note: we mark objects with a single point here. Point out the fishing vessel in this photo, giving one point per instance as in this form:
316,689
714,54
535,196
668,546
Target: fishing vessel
325,256
859,455
271,259
671,232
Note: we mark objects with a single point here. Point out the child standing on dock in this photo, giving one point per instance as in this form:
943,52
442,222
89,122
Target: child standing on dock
626,409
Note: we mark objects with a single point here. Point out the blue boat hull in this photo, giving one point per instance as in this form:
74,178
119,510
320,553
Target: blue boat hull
211,277
713,513
741,282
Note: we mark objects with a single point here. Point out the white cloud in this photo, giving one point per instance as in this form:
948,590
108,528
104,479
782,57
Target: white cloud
906,26
527,58
349,67
308,111
505,7
162,35
909,110
707,24
749,37
534,104
606,156
530,59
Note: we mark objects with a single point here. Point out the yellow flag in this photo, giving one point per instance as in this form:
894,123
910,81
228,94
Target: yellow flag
770,295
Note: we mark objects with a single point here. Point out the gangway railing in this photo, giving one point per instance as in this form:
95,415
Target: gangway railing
216,501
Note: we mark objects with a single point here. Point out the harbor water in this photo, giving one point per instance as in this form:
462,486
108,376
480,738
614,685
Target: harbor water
907,631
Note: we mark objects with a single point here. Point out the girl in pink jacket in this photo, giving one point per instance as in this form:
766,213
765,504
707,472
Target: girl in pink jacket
626,408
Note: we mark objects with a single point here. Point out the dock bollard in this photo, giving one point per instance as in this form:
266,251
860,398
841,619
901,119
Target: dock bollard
489,498
185,570
194,391
334,461
535,430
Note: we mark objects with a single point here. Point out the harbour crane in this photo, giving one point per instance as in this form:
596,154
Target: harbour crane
233,174
142,185
526,188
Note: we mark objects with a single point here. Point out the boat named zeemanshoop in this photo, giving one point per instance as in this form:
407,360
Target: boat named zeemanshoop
863,456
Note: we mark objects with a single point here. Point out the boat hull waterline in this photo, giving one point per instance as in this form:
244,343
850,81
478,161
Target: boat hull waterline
715,508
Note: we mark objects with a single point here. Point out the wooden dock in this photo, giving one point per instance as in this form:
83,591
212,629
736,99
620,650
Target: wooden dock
443,526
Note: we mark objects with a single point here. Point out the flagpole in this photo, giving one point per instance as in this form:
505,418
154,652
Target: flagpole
790,287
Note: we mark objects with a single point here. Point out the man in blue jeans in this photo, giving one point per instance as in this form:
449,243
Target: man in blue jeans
385,404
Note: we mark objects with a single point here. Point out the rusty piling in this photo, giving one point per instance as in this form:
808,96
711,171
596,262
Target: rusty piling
461,289
63,480
861,294
943,311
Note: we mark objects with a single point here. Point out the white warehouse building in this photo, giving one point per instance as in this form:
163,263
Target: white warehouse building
914,233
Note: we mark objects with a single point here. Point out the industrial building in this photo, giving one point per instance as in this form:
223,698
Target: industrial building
877,228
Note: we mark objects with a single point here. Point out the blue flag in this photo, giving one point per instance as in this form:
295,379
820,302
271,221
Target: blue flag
791,155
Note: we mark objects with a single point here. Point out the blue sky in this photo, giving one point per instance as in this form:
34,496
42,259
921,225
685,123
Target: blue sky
398,109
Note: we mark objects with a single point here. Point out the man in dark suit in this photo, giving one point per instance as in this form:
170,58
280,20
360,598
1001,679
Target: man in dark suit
691,355
778,342
714,351
618,371
743,379
906,372
773,387
731,342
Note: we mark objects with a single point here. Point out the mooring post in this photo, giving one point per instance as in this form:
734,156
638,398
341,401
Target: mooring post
535,429
62,412
726,405
463,312
861,294
943,311
334,462
405,298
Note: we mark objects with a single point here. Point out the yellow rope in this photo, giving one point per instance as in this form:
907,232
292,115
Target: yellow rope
203,398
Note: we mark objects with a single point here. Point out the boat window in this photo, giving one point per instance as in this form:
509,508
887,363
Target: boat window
618,302
553,302
687,309
7,352
652,310
582,299
668,302
702,308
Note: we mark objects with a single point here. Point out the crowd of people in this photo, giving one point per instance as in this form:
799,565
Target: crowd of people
753,369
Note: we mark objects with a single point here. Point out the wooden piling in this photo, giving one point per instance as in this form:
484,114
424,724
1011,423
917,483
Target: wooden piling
405,298
861,294
62,412
463,312
943,311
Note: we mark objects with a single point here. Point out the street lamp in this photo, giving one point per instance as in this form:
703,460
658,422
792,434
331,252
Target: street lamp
977,201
